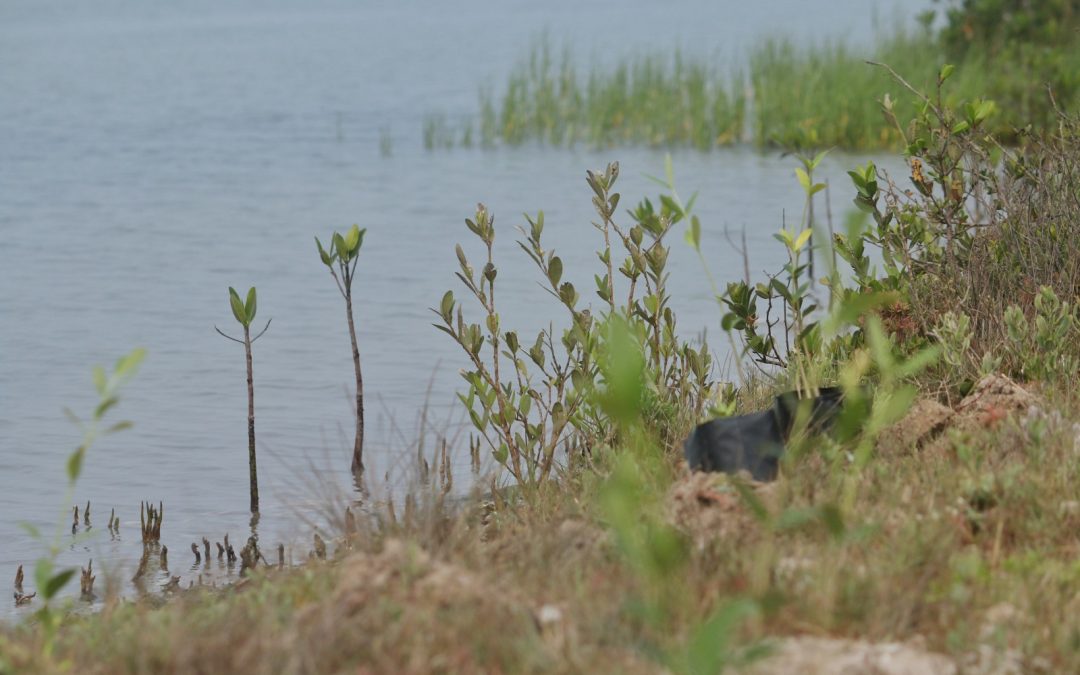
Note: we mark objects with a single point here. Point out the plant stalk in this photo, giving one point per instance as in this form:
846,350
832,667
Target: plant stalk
358,443
251,424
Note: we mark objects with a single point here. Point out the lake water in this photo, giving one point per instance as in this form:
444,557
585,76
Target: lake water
153,154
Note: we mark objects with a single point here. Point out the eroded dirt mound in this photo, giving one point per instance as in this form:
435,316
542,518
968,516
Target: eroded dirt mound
403,602
924,422
928,423
993,398
707,506
828,656
403,568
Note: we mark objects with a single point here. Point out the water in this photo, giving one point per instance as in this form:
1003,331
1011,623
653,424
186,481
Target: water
153,154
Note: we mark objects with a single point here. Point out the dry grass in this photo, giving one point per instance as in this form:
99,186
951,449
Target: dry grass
1026,236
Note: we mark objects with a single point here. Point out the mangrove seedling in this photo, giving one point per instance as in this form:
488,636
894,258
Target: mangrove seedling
344,250
244,312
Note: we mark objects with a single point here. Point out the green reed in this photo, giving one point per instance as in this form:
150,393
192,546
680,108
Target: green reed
822,95
652,100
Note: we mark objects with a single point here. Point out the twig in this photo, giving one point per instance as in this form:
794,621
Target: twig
262,331
228,337
904,82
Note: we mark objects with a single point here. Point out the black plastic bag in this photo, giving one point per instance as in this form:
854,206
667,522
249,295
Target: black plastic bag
755,442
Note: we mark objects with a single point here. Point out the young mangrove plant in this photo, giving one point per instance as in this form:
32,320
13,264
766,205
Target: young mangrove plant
244,312
344,251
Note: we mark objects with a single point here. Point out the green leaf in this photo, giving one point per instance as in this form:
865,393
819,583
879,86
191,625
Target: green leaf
708,651
555,270
693,233
352,240
946,72
895,406
833,519
57,582
127,365
880,343
984,110
568,294
72,417
920,361
801,240
804,178
854,308
237,307
42,571
795,519
752,501
74,463
326,258
340,250
446,307
501,454
624,374
104,406
249,305
99,380
30,529
119,426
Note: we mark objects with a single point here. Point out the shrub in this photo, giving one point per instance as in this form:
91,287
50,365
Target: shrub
530,400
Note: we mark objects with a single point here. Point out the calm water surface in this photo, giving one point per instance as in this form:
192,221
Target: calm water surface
151,155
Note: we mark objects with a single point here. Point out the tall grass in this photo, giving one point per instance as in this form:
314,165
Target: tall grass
652,100
822,95
828,95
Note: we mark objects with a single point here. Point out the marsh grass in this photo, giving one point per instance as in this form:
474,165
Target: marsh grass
651,100
828,95
817,96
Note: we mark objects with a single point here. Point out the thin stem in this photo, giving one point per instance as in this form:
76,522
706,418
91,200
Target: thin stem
251,422
227,337
358,441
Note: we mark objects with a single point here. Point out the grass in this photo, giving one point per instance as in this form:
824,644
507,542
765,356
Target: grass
823,95
651,100
829,96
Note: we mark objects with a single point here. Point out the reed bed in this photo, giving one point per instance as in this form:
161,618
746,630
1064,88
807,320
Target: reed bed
652,100
817,96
